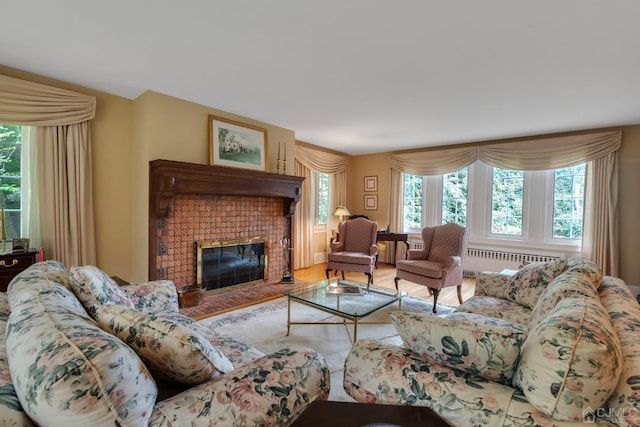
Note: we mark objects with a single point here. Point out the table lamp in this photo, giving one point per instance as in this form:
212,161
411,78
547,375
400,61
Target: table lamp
341,212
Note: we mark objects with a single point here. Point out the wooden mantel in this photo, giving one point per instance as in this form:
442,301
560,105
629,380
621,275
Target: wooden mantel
168,178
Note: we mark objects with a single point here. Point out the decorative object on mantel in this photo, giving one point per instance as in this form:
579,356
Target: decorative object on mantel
286,273
284,160
278,162
341,212
237,144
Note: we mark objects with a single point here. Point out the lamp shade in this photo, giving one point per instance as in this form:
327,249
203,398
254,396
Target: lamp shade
341,211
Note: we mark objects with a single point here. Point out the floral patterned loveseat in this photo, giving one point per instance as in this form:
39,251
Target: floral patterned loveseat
77,349
556,344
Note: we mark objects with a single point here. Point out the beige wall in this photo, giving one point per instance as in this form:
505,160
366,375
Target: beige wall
174,129
127,134
111,133
629,203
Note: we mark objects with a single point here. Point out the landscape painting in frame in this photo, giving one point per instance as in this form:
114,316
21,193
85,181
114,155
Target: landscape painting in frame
237,144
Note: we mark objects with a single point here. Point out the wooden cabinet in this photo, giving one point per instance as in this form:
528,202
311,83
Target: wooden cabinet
13,263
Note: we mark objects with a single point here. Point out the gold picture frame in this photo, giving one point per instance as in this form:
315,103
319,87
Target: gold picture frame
370,183
237,144
371,202
20,245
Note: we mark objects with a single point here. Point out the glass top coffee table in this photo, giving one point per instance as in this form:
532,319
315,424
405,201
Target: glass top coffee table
349,300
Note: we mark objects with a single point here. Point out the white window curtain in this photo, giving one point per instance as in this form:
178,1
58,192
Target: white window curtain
30,203
307,162
599,150
63,157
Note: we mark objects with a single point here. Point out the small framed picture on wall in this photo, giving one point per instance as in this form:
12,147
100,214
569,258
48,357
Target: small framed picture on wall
370,183
371,203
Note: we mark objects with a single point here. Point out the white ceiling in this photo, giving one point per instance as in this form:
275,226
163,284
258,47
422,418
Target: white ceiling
357,76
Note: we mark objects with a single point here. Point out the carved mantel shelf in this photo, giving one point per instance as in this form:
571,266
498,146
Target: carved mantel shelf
168,178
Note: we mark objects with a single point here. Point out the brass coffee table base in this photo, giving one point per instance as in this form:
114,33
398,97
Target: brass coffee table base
347,320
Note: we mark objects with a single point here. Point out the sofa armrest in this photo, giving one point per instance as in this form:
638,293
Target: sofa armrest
271,390
376,372
492,284
153,297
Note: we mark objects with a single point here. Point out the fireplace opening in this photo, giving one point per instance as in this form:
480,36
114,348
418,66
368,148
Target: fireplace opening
222,263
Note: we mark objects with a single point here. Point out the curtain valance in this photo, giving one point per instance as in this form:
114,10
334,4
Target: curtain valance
33,104
535,154
321,161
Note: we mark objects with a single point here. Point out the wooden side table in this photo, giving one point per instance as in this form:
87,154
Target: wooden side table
12,263
384,236
322,413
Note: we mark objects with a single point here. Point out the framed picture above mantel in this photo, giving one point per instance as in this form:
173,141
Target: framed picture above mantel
237,144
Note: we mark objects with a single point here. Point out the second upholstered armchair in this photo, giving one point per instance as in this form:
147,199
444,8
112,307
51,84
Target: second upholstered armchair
355,249
439,264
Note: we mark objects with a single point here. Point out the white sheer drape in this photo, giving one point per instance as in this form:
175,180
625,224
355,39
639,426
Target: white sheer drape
309,161
63,160
598,150
600,240
303,239
30,203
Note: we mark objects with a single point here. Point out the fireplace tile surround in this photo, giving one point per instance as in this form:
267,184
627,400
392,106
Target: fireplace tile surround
195,217
191,202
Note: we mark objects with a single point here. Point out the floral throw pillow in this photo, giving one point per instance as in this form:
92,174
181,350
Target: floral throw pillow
571,360
528,283
479,345
168,346
93,287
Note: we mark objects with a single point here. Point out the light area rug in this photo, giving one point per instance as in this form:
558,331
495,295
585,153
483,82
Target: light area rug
264,326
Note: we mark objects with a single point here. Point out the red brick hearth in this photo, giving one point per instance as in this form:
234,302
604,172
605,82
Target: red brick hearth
190,202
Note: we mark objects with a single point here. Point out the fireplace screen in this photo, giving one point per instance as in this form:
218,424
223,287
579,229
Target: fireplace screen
223,263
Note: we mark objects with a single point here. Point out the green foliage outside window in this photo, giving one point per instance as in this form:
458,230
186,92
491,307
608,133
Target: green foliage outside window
10,177
568,202
454,197
507,198
322,202
412,201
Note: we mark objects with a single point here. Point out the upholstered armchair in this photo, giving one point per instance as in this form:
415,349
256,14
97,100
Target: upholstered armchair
439,263
355,249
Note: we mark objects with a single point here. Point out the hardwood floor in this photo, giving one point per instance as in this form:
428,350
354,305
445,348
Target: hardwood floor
383,278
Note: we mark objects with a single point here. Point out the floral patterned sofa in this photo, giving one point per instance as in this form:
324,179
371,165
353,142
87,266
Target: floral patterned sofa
556,344
77,349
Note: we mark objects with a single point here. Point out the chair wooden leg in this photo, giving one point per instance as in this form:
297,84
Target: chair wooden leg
460,294
342,274
327,272
436,292
396,281
369,279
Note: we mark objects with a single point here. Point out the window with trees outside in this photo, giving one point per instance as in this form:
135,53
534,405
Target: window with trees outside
540,207
11,178
322,197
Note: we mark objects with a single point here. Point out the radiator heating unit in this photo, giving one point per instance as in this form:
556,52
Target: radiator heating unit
478,260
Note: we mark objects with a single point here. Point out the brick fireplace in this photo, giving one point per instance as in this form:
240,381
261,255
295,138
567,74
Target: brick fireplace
191,202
